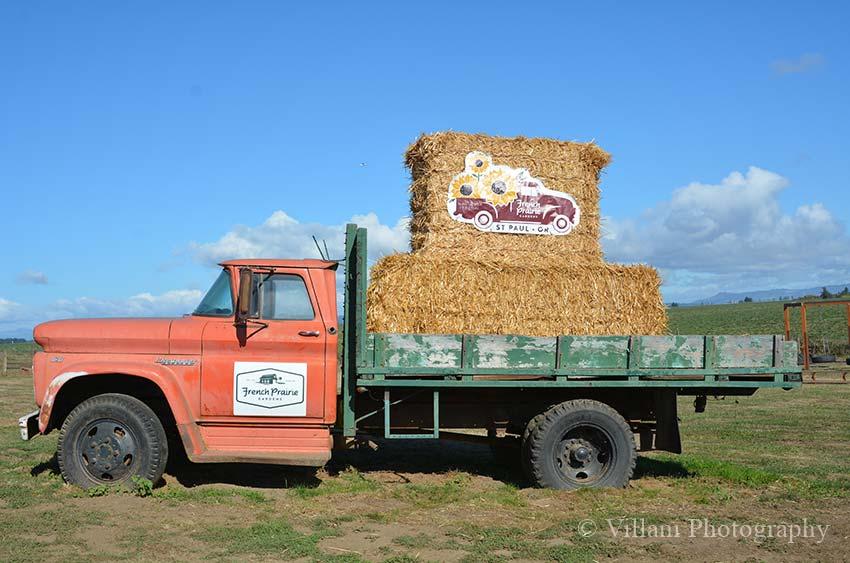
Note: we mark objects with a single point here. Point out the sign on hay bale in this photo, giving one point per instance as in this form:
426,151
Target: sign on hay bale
495,198
427,293
437,161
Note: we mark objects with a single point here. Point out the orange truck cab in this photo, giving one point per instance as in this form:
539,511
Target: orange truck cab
255,387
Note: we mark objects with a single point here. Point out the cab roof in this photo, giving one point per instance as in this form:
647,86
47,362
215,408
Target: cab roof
278,263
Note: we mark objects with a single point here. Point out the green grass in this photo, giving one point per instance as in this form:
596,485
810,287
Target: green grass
503,543
348,481
210,495
801,435
827,323
431,495
272,536
772,457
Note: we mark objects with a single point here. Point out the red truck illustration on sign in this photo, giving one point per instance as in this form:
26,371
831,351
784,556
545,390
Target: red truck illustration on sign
500,199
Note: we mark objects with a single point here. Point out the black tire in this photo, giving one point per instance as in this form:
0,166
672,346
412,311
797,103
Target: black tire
108,439
578,444
525,452
823,358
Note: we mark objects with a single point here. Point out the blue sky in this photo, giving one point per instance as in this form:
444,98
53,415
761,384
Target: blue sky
128,130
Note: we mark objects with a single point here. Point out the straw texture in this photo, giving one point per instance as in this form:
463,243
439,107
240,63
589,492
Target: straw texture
433,160
423,293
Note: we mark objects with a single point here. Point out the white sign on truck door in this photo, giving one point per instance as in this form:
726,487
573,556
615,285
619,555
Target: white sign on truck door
269,389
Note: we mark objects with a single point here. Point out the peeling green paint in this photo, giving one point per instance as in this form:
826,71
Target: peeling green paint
744,351
671,351
420,350
515,352
790,354
595,351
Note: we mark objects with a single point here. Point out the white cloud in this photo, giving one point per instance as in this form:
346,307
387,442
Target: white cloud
733,236
170,303
803,63
31,277
18,320
279,236
282,236
8,309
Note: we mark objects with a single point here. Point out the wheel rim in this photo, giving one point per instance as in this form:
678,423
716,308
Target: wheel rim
562,224
108,450
483,219
585,455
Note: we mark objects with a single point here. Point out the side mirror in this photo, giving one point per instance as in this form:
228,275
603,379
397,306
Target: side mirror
243,302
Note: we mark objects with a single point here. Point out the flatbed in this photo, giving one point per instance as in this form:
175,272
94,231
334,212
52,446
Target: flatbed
639,375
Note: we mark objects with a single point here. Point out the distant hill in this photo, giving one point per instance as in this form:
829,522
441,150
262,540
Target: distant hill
764,295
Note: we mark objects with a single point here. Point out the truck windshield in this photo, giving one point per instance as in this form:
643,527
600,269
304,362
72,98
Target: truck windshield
218,302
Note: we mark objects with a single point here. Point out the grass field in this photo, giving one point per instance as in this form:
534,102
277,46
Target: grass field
773,459
827,325
19,355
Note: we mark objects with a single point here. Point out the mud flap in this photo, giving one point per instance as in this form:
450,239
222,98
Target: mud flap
667,436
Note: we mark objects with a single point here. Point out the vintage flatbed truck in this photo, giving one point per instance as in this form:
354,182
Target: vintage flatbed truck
258,374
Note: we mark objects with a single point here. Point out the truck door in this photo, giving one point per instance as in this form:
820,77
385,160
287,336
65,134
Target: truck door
273,367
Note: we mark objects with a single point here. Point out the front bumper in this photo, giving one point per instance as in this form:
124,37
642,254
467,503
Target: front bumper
28,425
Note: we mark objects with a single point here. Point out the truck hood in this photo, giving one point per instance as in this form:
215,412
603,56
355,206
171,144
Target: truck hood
134,336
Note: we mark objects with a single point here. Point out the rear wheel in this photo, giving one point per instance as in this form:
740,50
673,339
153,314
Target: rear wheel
109,439
525,446
579,444
562,224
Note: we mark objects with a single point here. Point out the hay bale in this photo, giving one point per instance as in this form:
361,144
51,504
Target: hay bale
569,167
460,280
428,293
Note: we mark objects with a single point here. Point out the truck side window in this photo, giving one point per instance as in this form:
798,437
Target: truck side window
281,297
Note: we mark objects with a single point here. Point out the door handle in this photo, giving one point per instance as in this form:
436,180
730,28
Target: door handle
308,333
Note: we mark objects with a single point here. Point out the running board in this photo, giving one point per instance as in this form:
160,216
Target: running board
255,443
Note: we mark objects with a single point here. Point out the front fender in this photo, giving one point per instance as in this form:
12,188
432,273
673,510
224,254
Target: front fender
162,376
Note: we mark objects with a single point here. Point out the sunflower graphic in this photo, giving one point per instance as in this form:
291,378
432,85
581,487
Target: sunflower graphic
464,185
499,185
478,162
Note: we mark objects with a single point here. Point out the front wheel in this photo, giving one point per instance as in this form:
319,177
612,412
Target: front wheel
108,439
577,444
483,220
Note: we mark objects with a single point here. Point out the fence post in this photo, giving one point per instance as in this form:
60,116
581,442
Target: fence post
4,364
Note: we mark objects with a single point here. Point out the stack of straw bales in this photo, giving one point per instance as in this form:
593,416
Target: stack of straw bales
460,280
